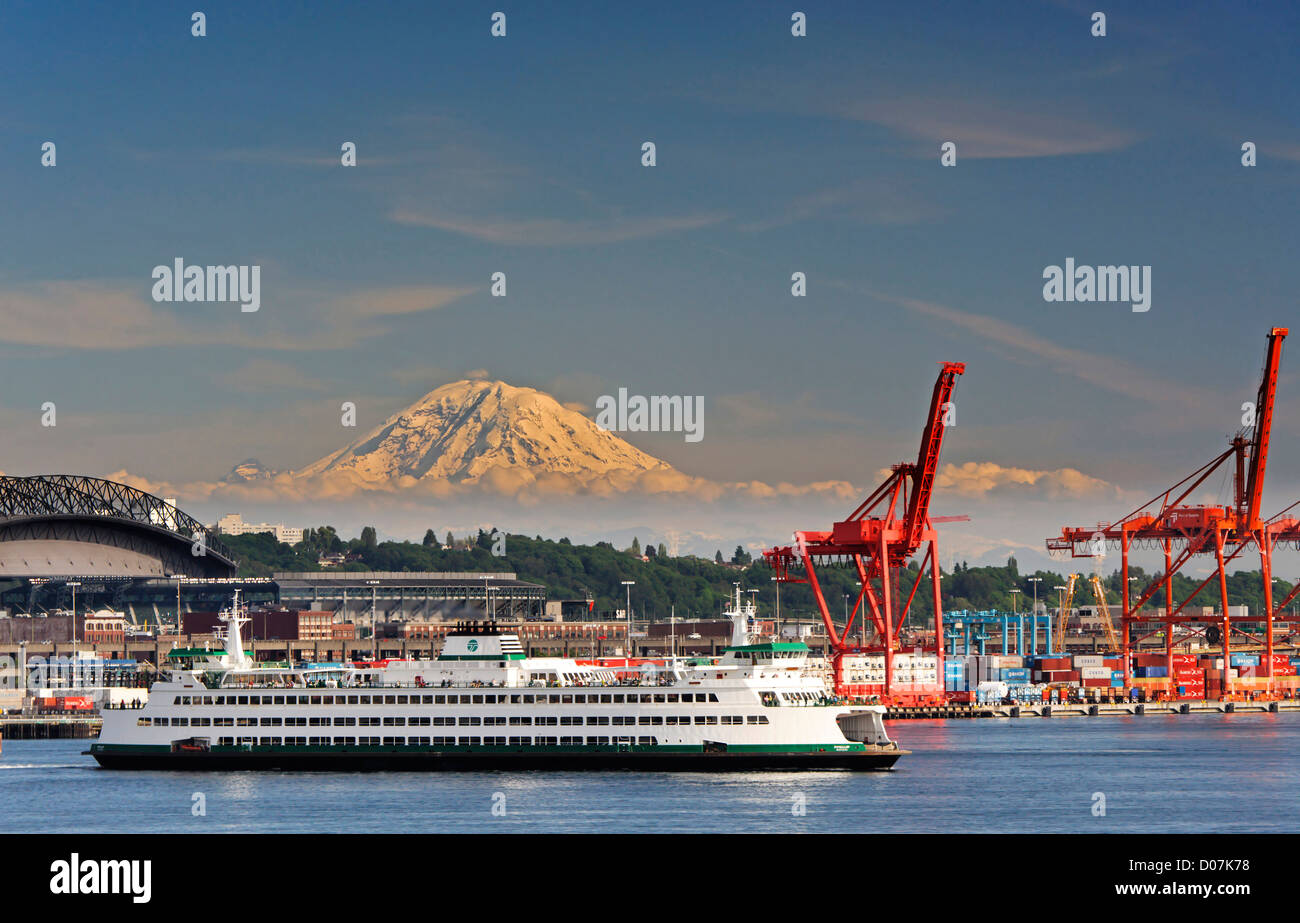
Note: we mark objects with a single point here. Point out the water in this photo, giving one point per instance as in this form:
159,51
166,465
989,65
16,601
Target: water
1190,773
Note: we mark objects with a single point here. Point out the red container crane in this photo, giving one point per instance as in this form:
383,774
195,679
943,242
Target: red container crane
879,537
1224,531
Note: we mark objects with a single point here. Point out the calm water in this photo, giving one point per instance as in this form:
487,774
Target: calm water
1196,773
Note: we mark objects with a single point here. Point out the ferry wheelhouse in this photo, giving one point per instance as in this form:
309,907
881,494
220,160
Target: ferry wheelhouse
483,703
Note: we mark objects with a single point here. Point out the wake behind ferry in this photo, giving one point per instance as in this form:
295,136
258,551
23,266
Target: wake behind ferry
483,704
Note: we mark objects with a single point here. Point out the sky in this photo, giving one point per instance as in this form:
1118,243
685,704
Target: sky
775,154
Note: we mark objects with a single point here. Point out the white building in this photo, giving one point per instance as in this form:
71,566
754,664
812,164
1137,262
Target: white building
233,524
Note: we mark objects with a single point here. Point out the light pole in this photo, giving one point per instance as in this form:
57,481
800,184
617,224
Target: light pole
1033,617
374,623
777,583
179,578
629,584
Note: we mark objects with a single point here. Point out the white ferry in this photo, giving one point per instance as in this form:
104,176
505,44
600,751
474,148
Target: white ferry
483,704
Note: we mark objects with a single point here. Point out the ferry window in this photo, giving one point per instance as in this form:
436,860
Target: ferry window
241,700
648,741
342,722
270,741
201,722
418,722
402,700
672,698
545,741
659,697
390,721
598,740
365,700
494,741
618,699
439,700
428,699
225,741
176,700
570,741
519,741
478,700
470,741
319,722
144,722
246,722
549,720
699,719
390,700
566,700
366,721
713,697
528,700
368,741
518,720
553,699
345,741
465,700
469,721
327,700
444,741
606,699
278,700
418,741
394,741
320,741
670,719
569,720
443,722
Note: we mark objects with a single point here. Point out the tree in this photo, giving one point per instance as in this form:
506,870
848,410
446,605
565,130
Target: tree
636,547
430,539
663,550
741,556
368,538
649,550
717,556
451,540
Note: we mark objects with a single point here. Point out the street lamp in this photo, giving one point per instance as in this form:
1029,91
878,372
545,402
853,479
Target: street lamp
629,584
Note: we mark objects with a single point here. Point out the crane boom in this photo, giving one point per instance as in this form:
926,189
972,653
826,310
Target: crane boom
1263,427
927,459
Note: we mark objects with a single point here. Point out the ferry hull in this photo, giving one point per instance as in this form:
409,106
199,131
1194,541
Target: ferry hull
641,761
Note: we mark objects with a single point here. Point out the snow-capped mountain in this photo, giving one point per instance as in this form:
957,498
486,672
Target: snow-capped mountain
467,429
250,469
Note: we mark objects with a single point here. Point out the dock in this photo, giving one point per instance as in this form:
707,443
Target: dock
49,727
1087,709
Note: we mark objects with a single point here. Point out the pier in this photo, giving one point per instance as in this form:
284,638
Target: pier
1087,709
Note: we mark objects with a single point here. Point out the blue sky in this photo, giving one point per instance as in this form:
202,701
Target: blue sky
775,154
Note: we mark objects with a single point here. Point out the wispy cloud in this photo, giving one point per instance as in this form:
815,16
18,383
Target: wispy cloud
556,232
987,129
111,315
1103,371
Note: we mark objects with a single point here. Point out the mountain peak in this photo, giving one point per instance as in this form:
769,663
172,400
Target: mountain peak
465,430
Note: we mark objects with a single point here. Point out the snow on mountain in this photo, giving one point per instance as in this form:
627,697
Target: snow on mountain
467,430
